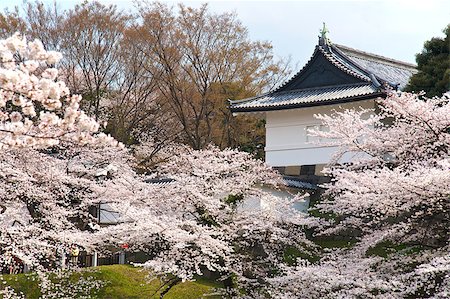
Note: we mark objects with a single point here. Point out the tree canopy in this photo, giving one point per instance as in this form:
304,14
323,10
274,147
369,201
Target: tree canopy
433,65
160,74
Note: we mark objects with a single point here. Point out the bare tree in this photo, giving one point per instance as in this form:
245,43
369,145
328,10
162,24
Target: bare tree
92,35
135,112
36,21
198,53
11,22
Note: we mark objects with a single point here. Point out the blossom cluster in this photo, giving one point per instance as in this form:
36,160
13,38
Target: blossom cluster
196,220
36,109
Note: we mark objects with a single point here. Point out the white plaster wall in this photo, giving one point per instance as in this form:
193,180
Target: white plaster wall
287,142
255,203
106,214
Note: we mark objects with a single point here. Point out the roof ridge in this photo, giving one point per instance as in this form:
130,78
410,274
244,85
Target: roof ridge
373,78
331,57
250,98
367,55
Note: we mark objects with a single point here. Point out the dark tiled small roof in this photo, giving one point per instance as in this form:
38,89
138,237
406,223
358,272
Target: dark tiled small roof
298,184
306,97
160,181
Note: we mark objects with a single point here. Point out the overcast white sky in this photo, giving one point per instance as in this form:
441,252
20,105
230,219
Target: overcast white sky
396,28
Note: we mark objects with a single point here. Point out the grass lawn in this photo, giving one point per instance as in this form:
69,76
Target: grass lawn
122,281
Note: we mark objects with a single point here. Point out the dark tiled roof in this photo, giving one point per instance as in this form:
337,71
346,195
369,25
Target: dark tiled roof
298,184
392,71
374,73
160,181
335,60
306,97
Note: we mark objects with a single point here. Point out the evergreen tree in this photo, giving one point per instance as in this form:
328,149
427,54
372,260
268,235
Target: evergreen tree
433,65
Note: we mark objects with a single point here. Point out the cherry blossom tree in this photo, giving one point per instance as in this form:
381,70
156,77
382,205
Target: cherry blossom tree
393,201
44,199
197,222
46,196
55,166
35,108
37,112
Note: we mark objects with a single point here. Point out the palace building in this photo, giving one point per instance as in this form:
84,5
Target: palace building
336,77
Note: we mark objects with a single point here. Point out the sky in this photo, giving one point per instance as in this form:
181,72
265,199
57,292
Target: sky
395,28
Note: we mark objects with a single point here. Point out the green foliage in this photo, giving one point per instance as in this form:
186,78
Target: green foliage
342,242
319,214
291,254
433,65
206,218
25,283
234,199
121,281
384,249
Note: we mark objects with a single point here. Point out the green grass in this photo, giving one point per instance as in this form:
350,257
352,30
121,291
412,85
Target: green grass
384,249
291,254
122,282
26,283
333,243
